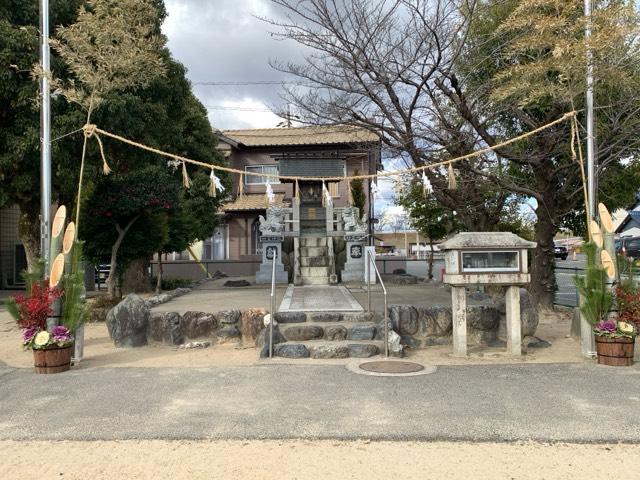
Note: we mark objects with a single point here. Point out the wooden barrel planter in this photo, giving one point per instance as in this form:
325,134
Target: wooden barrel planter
615,352
52,360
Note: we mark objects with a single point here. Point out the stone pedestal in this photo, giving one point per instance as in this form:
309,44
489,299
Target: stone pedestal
355,265
459,311
514,335
271,247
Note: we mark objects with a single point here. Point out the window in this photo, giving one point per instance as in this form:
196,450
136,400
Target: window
334,189
490,262
255,180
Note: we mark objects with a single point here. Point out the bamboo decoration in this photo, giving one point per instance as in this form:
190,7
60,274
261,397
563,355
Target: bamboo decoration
608,264
350,188
241,185
56,231
605,218
596,234
296,198
67,245
55,275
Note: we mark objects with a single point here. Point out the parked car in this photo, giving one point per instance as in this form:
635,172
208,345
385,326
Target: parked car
560,251
629,246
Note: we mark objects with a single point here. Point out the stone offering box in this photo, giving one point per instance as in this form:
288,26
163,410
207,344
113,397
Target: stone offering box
486,258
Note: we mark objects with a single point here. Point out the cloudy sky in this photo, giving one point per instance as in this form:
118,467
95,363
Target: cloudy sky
224,41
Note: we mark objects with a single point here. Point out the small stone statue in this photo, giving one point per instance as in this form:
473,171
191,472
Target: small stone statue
274,223
352,222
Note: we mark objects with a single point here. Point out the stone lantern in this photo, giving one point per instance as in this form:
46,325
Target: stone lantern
486,258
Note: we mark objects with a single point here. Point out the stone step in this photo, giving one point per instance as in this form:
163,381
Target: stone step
314,251
314,261
315,280
326,317
314,272
328,331
325,349
313,242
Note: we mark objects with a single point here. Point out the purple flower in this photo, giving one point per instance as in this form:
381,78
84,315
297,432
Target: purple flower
29,333
607,326
61,334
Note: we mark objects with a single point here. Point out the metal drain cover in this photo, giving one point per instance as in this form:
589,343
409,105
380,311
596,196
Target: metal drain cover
382,366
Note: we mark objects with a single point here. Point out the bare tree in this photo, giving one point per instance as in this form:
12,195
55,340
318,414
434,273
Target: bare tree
437,79
373,64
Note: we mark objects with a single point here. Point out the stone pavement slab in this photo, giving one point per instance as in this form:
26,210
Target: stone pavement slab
319,298
553,402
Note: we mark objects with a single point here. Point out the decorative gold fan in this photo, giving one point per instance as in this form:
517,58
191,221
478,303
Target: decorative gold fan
605,218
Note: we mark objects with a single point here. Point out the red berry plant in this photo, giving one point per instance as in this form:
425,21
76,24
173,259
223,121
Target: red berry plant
33,310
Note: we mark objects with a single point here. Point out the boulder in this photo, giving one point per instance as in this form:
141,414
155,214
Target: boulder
128,322
228,333
396,349
302,332
329,351
252,323
290,317
263,340
434,341
327,317
435,321
228,317
482,317
359,317
361,332
410,342
198,324
166,327
288,350
335,332
404,319
399,271
362,350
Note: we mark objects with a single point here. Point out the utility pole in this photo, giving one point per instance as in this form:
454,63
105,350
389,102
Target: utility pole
45,136
592,183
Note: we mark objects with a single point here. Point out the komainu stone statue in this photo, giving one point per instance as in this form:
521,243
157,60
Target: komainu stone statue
274,223
352,222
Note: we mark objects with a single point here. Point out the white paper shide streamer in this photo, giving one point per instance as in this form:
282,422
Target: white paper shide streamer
375,191
215,185
427,189
269,193
327,196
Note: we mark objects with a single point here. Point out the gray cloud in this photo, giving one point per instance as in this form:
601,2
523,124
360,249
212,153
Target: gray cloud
222,40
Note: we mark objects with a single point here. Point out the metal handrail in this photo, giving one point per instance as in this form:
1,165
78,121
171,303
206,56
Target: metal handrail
272,302
384,290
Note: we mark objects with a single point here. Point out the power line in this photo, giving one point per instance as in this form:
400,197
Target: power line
239,109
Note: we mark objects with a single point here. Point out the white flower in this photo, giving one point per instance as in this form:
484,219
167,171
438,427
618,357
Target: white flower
42,339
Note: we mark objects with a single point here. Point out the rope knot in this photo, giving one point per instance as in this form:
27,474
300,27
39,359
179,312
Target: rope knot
89,130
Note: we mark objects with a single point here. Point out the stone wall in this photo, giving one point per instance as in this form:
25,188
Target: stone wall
421,327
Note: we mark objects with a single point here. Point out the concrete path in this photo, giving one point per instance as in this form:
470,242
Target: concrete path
573,403
319,298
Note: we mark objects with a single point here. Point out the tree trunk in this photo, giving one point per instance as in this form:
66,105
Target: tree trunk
135,278
29,232
542,286
111,281
160,272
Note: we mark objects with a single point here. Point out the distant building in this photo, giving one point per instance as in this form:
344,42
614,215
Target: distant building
315,151
630,226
